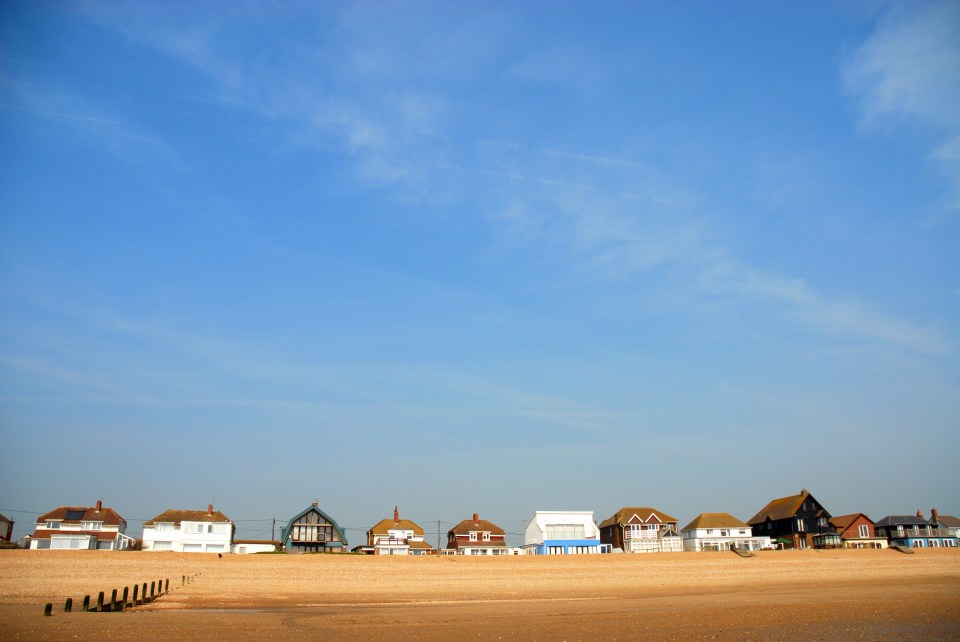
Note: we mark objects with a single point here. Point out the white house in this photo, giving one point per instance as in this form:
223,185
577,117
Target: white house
720,532
189,531
81,528
562,533
249,546
396,537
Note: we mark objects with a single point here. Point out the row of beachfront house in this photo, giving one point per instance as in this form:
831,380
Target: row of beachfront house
797,521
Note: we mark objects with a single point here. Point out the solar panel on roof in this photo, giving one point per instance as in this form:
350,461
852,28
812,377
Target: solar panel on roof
75,514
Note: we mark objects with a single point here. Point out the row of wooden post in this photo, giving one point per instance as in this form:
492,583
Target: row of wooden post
125,601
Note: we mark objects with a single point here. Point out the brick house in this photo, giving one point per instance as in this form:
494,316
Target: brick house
857,531
477,537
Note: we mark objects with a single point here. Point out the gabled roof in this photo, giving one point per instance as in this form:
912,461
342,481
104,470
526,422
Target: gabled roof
637,515
312,508
179,516
715,520
4,518
843,522
385,525
481,525
784,508
78,514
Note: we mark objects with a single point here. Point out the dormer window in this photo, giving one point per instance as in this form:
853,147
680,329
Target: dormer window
473,536
53,524
91,526
486,537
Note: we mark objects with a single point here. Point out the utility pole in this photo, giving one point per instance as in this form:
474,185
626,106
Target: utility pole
438,537
273,528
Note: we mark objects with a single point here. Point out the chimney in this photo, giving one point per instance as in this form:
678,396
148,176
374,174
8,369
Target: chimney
99,505
396,515
919,514
476,518
209,510
934,516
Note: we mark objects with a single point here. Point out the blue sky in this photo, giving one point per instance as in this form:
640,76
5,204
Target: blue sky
490,257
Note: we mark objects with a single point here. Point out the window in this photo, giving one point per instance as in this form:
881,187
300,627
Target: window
473,536
724,533
53,524
163,527
163,546
864,531
565,531
801,527
822,521
486,537
91,526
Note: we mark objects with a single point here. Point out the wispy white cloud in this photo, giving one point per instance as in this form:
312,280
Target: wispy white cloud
87,119
909,68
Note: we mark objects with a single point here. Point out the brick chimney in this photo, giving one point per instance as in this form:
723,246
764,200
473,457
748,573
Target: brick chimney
476,518
209,510
934,516
396,515
99,505
919,514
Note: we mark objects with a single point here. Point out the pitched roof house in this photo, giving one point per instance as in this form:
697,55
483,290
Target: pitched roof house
81,528
797,521
6,528
189,531
857,531
313,531
396,537
948,522
477,537
720,532
913,531
641,530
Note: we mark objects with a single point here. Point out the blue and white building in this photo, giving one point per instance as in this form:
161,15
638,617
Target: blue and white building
562,533
914,532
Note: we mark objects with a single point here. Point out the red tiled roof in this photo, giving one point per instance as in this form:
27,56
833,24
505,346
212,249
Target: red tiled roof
468,525
643,513
88,514
842,522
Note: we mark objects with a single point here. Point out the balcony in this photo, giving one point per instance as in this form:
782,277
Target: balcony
920,532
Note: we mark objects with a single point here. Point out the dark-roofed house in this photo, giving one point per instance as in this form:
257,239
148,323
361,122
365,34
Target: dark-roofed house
313,531
189,531
477,537
797,521
720,532
641,530
913,531
81,528
6,528
396,537
857,531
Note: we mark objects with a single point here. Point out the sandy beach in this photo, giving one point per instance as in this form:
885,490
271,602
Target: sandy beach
777,595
